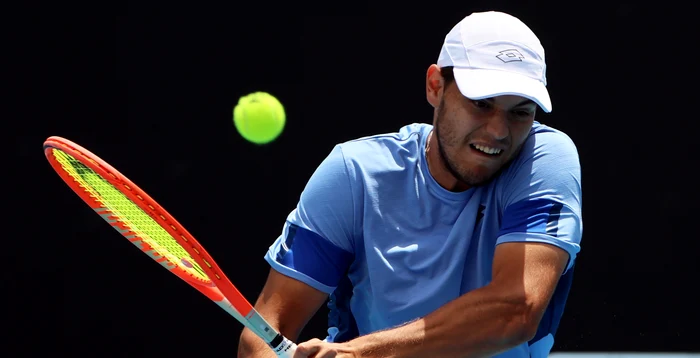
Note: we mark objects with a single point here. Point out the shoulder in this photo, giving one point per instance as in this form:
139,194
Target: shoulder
546,148
385,150
547,139
548,164
543,138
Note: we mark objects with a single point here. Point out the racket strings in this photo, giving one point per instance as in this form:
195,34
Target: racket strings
129,214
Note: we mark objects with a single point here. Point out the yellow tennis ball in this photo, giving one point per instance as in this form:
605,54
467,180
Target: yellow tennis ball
259,117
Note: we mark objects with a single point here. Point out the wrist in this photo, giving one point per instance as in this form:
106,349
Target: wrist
403,341
352,349
373,345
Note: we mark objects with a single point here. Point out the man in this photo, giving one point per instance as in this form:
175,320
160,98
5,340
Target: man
456,239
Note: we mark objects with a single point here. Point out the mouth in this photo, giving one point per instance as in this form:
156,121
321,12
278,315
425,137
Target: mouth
485,150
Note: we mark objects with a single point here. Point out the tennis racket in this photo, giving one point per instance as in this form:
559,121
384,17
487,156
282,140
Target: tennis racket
139,219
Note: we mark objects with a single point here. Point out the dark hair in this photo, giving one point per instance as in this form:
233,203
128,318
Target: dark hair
447,74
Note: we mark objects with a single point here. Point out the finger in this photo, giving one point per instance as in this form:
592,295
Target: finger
326,353
308,348
300,354
303,353
321,352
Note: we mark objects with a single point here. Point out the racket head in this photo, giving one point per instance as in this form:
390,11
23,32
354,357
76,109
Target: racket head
141,220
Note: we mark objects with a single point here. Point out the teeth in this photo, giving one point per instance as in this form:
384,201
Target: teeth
487,150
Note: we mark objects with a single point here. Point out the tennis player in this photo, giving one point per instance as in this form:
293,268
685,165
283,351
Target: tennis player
454,239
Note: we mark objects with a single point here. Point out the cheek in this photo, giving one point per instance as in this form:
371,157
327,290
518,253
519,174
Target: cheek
455,127
520,132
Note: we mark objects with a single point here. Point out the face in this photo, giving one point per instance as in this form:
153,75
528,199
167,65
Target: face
478,138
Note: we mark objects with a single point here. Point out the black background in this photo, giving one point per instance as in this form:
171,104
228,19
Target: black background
152,90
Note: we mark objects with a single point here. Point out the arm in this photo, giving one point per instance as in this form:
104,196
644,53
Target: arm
287,304
539,239
310,257
483,322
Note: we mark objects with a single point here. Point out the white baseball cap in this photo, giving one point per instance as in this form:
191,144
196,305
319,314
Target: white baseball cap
495,54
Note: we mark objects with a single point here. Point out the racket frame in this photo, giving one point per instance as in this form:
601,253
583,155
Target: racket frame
220,289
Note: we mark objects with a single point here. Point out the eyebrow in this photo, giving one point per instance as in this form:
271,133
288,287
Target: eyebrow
522,103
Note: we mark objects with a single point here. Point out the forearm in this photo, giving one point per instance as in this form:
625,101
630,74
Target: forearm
252,346
481,323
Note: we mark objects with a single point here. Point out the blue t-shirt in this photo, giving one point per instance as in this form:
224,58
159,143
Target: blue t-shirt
375,231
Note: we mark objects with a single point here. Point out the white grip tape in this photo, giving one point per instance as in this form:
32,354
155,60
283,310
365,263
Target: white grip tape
286,349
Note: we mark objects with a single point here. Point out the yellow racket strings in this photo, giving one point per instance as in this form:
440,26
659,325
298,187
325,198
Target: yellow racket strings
130,214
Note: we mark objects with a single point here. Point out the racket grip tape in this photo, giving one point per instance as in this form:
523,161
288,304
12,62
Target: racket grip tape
283,347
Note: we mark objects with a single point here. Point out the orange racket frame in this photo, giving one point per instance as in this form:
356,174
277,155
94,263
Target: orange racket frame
220,290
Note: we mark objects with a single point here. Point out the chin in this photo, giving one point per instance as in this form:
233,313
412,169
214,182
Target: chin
477,180
477,177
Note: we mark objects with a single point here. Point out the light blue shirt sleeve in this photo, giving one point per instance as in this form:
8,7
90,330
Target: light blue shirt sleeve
317,242
326,205
541,196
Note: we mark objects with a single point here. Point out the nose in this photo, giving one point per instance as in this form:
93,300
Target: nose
497,126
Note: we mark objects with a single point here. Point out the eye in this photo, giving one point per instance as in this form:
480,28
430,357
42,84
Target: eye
481,104
522,113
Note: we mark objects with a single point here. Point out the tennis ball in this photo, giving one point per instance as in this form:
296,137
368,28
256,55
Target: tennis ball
259,117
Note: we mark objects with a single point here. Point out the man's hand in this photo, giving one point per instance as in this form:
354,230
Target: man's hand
316,348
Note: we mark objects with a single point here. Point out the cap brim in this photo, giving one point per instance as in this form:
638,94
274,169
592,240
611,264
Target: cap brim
480,84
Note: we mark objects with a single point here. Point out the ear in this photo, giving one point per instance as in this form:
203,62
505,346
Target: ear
434,85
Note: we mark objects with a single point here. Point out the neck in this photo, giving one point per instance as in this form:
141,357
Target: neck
438,167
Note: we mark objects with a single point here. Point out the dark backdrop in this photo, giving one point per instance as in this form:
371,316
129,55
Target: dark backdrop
152,90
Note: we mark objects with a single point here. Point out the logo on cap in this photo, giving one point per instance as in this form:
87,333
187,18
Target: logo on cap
510,56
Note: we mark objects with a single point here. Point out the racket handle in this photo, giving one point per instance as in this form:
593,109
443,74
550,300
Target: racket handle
285,349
